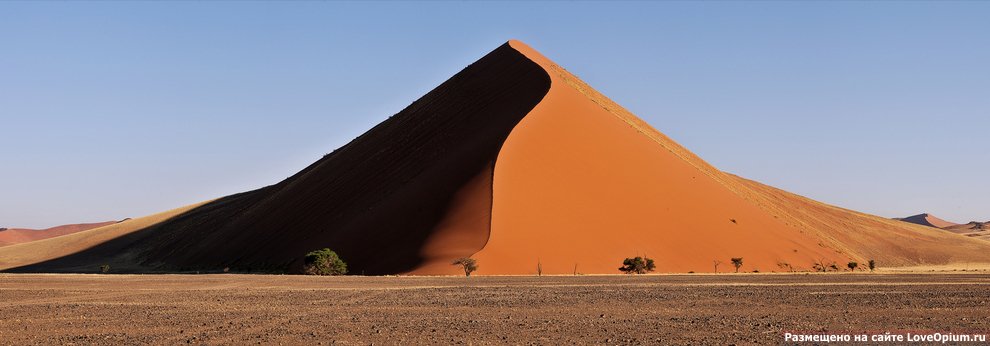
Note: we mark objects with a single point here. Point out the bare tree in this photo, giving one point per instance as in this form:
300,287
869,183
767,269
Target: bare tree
785,265
822,266
716,263
468,263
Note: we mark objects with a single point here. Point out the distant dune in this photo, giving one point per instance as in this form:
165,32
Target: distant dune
973,229
520,164
928,220
10,236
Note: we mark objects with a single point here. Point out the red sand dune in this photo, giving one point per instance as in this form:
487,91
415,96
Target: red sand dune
928,220
970,226
10,236
518,163
972,229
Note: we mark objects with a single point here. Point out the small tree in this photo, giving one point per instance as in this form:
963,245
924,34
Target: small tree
872,264
468,263
637,265
539,268
324,262
852,266
716,263
823,266
105,268
737,262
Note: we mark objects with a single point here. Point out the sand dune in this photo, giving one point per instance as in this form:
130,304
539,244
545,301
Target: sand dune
85,251
929,220
972,229
519,163
10,236
970,226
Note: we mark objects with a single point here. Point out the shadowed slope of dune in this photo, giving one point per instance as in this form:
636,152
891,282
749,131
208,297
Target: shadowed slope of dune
519,163
11,236
410,194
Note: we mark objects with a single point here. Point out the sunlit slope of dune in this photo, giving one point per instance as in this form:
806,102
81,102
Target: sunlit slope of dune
863,236
12,236
51,249
583,183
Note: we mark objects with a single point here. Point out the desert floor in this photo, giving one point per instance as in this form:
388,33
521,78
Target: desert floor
667,309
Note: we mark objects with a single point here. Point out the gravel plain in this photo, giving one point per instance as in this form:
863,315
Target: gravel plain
696,309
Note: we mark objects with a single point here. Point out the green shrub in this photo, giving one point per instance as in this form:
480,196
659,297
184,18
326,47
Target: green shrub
737,262
105,268
637,265
324,262
852,266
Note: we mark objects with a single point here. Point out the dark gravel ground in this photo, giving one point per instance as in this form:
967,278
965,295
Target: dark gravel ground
651,309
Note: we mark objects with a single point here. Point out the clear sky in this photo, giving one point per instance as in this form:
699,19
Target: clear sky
111,110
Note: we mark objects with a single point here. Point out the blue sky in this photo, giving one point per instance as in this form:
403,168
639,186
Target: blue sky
111,109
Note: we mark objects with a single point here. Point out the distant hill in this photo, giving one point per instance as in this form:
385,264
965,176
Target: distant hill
11,236
928,220
973,229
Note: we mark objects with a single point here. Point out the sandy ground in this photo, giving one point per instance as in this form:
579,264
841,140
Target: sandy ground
666,309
